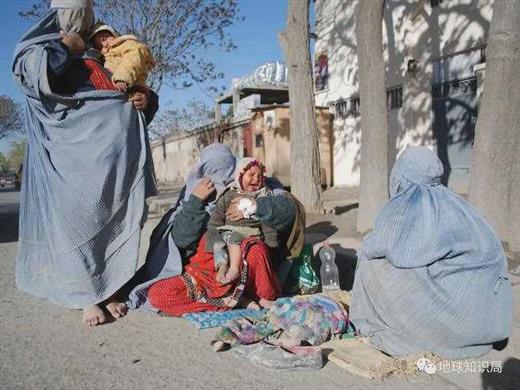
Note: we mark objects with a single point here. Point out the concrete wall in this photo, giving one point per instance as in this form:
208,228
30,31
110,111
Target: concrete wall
445,40
174,156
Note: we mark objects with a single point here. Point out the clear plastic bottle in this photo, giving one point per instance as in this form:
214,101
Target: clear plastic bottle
329,270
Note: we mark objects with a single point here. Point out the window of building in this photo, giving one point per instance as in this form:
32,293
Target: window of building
394,97
347,108
321,72
259,140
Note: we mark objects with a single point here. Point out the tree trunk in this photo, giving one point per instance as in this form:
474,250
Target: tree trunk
305,155
373,191
495,167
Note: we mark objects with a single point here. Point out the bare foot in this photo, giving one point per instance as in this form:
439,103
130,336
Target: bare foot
218,345
93,315
266,303
253,306
221,273
115,308
232,274
246,303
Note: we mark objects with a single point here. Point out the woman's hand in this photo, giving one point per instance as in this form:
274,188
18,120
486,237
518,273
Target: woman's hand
74,43
139,99
234,212
204,189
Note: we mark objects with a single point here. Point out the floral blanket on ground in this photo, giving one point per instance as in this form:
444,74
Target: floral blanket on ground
311,318
206,320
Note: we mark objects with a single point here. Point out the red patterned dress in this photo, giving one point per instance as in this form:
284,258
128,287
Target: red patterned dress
197,290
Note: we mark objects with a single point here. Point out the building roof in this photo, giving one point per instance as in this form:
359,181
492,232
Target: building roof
273,106
268,95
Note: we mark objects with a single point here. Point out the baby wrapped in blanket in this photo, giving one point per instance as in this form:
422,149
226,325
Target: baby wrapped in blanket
129,60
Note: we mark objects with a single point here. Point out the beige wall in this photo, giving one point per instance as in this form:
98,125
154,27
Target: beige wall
175,156
275,152
411,29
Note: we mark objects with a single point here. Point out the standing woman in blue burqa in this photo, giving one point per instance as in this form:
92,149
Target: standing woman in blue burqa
87,169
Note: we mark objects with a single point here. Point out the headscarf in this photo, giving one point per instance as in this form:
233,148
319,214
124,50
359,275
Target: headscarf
242,166
71,3
74,16
218,163
30,59
418,165
100,26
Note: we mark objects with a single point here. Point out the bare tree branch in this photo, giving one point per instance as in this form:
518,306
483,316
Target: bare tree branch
178,121
178,32
11,121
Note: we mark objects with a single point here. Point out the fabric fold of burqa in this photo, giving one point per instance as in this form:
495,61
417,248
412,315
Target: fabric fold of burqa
83,192
432,277
164,258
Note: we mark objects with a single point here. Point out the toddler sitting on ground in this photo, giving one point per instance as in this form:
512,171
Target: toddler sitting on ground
224,236
129,60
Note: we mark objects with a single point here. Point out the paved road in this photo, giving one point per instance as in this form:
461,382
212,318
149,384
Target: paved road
43,346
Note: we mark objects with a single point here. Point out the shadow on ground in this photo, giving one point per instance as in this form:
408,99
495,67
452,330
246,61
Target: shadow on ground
338,210
319,231
346,260
509,378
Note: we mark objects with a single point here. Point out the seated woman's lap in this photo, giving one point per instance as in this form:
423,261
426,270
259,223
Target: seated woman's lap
170,295
261,279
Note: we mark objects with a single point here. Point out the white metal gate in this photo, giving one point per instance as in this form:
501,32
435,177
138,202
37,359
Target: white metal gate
455,116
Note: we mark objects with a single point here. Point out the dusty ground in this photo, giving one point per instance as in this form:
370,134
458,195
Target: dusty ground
43,346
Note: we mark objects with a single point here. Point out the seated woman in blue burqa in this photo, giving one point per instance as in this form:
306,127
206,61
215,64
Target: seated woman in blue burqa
432,277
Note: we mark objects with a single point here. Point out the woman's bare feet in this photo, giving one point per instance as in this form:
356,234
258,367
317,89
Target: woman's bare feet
115,308
266,303
93,315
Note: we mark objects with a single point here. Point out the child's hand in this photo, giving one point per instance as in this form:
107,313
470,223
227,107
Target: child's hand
74,42
237,209
121,86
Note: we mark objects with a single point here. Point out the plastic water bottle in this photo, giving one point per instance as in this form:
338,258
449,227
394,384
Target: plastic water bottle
329,270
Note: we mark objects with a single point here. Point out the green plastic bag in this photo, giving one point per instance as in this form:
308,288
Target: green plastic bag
302,278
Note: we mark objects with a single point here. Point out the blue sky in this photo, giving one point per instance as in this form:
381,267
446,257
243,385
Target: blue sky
255,38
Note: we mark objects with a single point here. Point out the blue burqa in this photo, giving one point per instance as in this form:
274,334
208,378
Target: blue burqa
432,277
83,190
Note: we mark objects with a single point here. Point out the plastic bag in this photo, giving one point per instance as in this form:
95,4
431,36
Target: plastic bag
302,278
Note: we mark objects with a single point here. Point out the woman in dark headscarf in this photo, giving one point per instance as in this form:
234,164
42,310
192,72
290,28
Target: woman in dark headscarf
86,171
432,277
